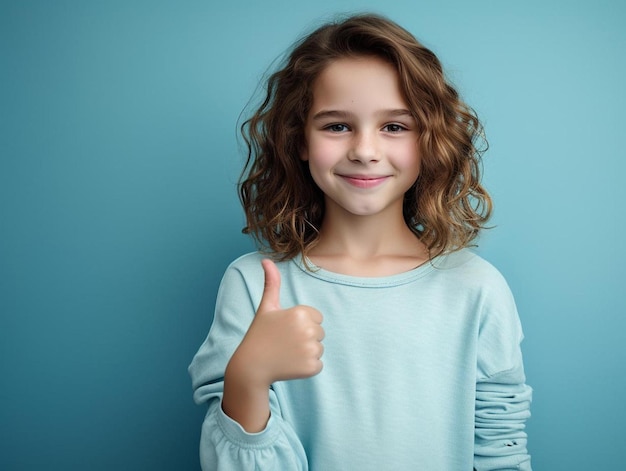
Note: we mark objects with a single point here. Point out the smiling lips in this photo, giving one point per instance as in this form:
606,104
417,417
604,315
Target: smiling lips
364,181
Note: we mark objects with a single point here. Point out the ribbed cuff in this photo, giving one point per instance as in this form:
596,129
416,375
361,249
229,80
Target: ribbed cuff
237,435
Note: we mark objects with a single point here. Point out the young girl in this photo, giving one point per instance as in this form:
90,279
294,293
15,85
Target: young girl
363,183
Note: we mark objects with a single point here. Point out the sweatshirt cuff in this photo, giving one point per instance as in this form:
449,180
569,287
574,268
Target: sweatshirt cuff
236,434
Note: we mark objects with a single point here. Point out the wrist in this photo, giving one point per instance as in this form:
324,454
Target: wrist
243,372
246,398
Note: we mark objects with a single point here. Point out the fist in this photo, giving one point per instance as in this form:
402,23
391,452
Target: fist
281,344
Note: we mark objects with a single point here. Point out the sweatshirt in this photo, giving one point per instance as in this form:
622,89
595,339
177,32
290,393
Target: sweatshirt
422,371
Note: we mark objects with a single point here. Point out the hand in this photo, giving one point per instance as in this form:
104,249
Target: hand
280,344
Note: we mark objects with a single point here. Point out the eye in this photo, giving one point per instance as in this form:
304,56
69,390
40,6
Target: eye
337,127
394,128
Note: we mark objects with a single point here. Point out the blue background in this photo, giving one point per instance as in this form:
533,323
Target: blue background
119,157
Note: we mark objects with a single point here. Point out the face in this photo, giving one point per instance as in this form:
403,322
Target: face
361,140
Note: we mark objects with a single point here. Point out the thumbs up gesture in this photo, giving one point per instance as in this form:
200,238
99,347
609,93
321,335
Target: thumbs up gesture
281,344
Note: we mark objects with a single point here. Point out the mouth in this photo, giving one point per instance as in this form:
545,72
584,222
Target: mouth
364,181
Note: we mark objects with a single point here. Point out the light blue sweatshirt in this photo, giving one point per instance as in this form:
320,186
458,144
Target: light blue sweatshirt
422,371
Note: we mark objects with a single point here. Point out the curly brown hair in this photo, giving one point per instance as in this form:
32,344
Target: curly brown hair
446,207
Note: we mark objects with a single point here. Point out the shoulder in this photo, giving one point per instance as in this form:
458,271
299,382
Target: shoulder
246,261
248,267
252,261
469,266
245,277
470,275
244,268
242,279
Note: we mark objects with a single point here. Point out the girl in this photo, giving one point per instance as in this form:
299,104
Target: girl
362,181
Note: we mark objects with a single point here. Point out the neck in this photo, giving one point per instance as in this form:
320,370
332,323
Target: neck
377,245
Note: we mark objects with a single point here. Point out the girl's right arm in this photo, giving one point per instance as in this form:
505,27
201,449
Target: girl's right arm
235,367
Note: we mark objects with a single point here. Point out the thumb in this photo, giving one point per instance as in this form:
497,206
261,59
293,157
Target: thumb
271,291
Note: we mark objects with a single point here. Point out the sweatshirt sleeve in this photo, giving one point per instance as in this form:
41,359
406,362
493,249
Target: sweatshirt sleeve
502,396
224,444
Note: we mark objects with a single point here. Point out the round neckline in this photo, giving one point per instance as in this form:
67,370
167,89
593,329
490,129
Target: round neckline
365,281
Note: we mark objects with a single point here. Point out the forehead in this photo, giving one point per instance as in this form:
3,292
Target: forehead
356,82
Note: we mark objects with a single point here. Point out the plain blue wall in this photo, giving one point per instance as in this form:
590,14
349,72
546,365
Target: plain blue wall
119,214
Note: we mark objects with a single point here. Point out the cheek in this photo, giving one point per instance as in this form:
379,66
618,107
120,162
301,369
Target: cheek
321,154
409,160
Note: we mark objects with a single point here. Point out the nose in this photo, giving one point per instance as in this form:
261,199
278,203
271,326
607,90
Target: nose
365,148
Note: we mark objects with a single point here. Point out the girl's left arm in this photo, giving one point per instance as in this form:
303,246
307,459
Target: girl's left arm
502,396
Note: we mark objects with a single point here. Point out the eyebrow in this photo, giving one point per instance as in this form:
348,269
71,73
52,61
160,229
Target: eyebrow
325,114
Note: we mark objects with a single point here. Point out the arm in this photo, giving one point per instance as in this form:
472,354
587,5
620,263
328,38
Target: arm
502,408
502,397
281,344
226,446
233,371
